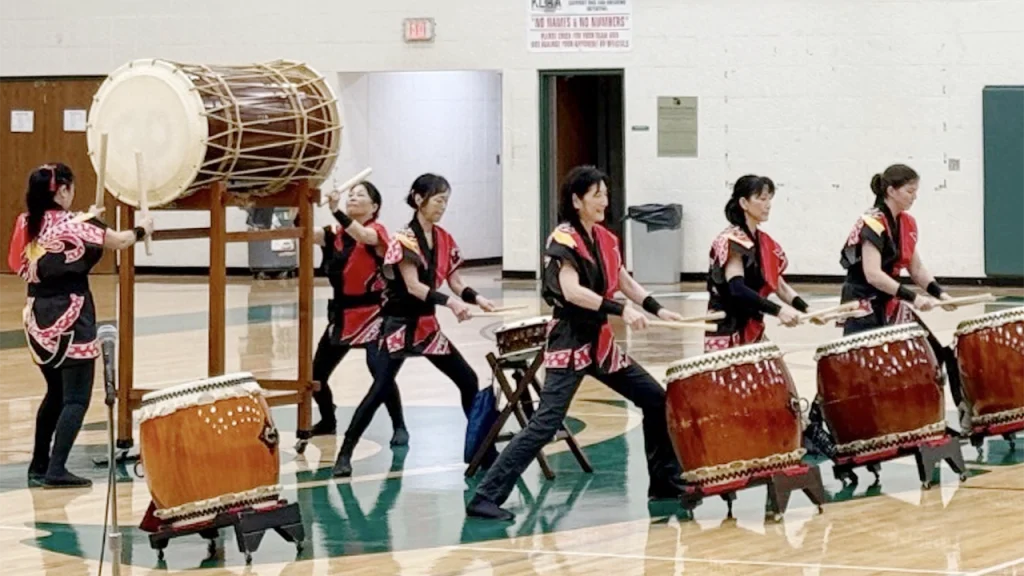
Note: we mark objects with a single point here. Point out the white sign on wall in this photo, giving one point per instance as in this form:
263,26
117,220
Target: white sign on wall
580,25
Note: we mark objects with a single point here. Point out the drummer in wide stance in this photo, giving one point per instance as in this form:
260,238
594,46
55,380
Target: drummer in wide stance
881,245
583,270
353,253
746,266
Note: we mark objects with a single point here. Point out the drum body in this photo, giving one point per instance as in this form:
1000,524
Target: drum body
209,446
881,389
733,414
523,339
256,127
990,355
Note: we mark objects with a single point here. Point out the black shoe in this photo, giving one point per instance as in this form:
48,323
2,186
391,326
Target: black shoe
480,507
400,438
37,473
343,466
324,428
666,489
65,480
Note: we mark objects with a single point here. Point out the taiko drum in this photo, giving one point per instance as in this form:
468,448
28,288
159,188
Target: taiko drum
522,339
880,389
256,127
733,414
209,446
990,355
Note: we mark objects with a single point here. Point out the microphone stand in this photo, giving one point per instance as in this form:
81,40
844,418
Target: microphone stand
114,538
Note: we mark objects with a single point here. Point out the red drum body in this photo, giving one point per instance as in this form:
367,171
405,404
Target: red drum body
881,389
733,414
990,354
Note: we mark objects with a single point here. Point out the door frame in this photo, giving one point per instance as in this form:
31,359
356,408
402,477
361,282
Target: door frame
549,133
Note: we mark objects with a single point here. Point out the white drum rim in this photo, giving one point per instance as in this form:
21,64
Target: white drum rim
873,337
199,392
535,321
990,320
193,107
711,361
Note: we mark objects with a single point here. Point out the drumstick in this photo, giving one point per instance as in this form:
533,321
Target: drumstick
851,305
683,325
509,308
101,174
967,300
348,184
143,199
705,317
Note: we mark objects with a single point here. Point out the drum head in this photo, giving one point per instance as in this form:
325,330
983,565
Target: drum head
148,106
713,361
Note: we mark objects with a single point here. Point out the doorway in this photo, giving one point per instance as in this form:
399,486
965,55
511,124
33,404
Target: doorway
582,121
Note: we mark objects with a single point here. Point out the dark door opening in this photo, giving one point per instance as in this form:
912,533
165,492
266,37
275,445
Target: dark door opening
582,121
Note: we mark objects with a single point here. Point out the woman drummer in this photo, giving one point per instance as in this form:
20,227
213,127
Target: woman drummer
419,259
881,245
583,271
353,252
53,249
746,266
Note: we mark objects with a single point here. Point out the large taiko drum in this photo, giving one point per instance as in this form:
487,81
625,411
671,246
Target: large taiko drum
881,389
733,414
990,355
256,127
209,446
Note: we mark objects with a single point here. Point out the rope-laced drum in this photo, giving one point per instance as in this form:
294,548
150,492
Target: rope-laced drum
257,127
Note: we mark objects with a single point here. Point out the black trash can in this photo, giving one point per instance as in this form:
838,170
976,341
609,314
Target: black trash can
656,239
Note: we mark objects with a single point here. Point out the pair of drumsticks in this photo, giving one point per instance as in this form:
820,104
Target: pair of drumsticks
101,183
819,317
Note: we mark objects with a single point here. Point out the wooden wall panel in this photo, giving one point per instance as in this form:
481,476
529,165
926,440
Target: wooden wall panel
20,153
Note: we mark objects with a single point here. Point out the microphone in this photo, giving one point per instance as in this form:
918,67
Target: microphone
107,337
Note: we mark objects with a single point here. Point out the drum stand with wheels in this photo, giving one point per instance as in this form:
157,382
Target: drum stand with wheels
1008,431
525,374
927,454
250,525
781,485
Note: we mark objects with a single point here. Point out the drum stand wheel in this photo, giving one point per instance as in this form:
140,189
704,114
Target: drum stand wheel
250,526
303,441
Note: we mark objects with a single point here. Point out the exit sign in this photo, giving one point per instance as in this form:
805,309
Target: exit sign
419,29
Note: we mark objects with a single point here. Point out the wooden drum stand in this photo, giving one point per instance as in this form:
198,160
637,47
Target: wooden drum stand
216,199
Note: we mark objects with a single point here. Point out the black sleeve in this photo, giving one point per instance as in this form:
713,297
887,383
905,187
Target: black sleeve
739,290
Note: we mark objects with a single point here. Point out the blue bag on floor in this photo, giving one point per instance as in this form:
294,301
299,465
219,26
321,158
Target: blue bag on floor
482,416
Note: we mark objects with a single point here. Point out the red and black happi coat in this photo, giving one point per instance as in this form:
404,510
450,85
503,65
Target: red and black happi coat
353,269
579,339
60,315
410,325
896,240
764,261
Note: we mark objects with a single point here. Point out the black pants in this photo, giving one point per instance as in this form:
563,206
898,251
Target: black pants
386,368
818,438
60,416
327,357
633,382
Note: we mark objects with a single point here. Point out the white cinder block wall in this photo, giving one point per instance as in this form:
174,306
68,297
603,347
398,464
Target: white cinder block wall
818,95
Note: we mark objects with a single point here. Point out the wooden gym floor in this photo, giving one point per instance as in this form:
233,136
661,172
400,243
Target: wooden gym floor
402,512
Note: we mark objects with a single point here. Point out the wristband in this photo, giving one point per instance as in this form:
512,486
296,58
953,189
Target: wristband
651,305
437,298
612,307
469,295
934,290
769,307
906,294
140,233
799,304
343,218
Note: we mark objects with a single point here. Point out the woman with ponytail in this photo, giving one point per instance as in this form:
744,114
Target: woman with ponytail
746,266
53,250
418,261
881,245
